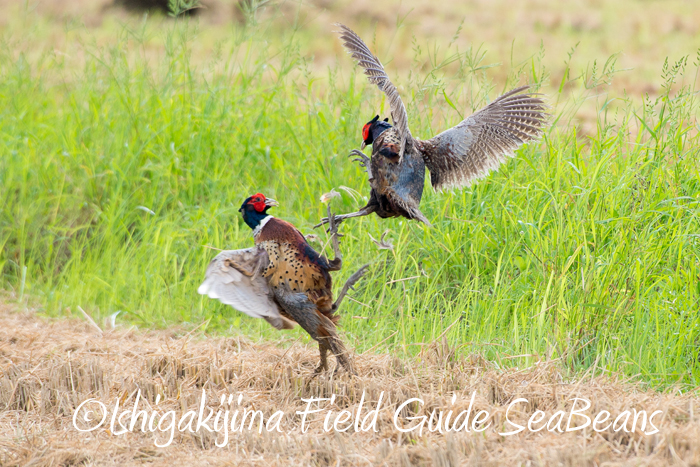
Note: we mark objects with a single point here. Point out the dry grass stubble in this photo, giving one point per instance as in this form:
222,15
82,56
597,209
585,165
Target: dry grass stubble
47,368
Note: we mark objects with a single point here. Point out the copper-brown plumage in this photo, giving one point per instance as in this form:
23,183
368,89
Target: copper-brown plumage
294,264
282,279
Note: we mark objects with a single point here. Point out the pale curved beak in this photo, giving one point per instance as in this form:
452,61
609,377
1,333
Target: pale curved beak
362,146
269,202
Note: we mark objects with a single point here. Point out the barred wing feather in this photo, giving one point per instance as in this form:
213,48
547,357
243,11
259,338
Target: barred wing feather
484,140
376,75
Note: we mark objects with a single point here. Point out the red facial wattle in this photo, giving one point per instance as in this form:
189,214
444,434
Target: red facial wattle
258,202
365,132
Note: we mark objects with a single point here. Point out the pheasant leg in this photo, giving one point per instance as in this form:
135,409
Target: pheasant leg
323,366
366,211
349,285
341,356
337,263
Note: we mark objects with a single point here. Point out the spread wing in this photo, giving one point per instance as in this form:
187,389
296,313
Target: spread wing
481,142
233,277
376,75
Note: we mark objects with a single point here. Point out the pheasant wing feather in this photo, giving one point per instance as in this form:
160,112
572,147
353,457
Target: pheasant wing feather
376,75
233,277
484,140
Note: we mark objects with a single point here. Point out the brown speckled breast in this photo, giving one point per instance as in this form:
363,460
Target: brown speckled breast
294,264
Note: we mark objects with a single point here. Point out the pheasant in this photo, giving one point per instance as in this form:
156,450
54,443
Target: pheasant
455,158
282,279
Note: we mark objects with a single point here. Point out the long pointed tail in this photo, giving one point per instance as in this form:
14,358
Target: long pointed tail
328,337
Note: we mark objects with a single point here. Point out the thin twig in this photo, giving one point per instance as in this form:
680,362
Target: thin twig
380,343
401,280
285,353
359,302
90,320
448,328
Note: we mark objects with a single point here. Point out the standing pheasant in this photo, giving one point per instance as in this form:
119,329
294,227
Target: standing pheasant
455,157
282,279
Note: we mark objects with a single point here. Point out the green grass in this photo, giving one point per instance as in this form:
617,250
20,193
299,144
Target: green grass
117,175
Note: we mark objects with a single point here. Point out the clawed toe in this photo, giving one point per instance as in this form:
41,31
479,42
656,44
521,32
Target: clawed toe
333,227
326,220
323,221
362,159
362,271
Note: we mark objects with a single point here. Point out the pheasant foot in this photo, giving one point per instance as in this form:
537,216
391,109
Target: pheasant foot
363,160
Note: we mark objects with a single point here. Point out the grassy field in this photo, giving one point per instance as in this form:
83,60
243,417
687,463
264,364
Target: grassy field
126,151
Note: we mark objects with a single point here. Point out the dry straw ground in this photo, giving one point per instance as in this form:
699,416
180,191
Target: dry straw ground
47,367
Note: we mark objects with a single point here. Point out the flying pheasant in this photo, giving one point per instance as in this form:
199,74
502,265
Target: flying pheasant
282,279
455,157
